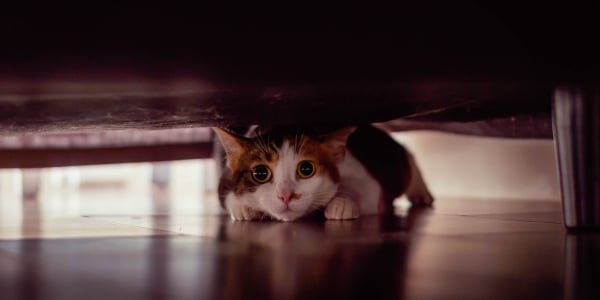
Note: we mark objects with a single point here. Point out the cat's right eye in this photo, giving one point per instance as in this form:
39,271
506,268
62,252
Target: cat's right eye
261,174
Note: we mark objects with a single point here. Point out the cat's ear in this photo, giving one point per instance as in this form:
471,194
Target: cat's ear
232,144
336,142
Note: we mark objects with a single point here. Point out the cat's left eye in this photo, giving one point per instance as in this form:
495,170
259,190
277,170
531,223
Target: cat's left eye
306,169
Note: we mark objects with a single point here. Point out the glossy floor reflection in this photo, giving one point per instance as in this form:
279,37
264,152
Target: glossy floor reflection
461,249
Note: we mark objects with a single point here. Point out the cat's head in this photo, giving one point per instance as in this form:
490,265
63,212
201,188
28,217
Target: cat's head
286,174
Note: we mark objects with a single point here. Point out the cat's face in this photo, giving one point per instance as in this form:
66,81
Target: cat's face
285,176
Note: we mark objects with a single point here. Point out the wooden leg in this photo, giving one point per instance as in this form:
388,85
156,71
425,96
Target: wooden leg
576,120
31,183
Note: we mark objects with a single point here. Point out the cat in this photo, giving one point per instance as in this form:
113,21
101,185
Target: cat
286,173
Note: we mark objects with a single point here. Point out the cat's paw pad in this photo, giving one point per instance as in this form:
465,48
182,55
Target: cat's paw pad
244,213
341,209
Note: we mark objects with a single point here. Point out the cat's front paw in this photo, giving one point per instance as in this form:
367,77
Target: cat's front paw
240,212
341,208
244,213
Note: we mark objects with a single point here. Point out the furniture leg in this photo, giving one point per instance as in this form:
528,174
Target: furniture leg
576,124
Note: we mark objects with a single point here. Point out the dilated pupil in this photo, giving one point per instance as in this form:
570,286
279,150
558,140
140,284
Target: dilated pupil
306,168
261,173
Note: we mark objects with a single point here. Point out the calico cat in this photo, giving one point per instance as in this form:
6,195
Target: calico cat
286,173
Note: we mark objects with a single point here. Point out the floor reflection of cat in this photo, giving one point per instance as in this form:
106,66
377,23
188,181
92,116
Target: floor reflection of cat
316,259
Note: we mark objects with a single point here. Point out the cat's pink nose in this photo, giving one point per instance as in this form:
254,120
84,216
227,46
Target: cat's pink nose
287,196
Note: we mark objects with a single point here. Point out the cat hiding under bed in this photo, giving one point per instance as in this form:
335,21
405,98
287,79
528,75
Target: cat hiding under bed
286,173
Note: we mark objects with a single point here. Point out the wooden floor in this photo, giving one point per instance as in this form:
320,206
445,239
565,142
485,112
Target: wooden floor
461,249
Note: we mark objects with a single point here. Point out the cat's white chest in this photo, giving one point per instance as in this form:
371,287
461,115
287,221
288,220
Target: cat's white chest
359,185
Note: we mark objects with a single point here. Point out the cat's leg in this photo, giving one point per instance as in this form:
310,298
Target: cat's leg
417,192
342,208
240,212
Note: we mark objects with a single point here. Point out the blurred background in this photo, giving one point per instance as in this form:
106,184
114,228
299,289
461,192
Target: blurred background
453,166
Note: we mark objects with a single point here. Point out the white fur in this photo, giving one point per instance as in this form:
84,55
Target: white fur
342,208
357,184
238,210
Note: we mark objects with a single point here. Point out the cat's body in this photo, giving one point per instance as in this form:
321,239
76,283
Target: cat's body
288,173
